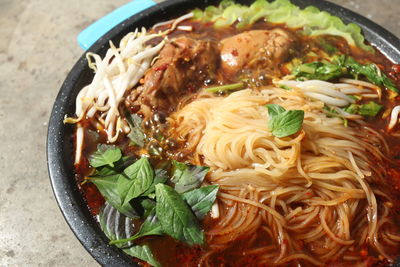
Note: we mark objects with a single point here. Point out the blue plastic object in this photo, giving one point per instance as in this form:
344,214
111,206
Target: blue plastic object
92,33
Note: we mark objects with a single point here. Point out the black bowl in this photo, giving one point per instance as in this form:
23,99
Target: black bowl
59,143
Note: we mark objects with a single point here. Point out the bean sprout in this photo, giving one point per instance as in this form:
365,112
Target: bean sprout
334,94
394,117
119,70
174,23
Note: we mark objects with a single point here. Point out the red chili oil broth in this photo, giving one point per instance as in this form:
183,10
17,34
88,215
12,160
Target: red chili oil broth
174,253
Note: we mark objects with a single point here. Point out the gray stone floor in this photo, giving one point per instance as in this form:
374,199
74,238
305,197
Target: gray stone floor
37,49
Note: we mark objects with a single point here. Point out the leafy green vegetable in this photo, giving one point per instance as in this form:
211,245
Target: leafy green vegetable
370,109
176,218
201,199
151,226
343,66
160,177
114,224
283,122
119,166
105,155
275,109
313,21
187,176
223,88
370,71
136,134
144,253
318,71
136,180
107,186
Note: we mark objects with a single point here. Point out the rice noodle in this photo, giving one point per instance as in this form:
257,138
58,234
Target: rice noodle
312,188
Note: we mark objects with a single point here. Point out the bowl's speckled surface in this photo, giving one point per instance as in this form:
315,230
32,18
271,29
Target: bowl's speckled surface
59,145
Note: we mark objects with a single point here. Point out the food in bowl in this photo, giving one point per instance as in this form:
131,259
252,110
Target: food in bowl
243,136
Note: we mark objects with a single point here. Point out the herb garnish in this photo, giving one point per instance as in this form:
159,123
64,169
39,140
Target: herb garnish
187,177
283,122
105,155
136,190
176,218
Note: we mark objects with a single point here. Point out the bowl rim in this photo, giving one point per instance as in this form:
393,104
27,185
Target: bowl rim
59,153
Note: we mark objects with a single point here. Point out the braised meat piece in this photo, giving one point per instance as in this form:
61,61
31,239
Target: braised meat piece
184,64
257,49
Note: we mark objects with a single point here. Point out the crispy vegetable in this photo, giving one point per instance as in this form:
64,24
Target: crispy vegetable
313,21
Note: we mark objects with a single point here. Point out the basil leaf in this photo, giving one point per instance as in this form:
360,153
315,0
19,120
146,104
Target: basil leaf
201,199
286,123
136,180
114,224
274,109
105,155
176,218
187,176
143,205
160,176
136,134
148,205
144,253
117,226
107,186
118,167
151,226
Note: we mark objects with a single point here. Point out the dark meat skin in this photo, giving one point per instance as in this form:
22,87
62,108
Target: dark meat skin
255,50
184,64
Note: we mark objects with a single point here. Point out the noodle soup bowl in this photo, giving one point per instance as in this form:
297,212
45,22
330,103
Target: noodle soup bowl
60,142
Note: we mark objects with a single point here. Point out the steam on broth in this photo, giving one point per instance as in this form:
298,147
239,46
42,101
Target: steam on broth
261,135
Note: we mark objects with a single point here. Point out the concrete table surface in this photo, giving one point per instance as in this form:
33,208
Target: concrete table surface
37,49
